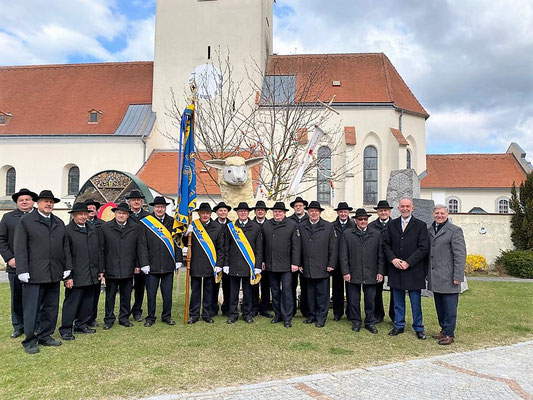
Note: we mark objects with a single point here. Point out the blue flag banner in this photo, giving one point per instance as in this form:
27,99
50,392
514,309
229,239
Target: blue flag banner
186,176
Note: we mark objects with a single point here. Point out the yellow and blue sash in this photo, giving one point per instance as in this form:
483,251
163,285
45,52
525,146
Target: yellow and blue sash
206,243
160,231
246,250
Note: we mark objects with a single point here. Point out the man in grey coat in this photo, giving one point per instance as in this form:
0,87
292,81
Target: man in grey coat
446,270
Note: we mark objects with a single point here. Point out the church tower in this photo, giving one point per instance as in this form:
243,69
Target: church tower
189,33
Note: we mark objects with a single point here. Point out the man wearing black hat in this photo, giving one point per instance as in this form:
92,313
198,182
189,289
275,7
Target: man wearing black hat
120,247
380,224
159,258
319,259
43,260
300,217
84,247
24,199
244,242
341,224
96,223
222,210
136,201
205,264
282,248
261,306
361,263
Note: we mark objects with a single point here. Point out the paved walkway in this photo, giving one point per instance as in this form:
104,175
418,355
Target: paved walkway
496,373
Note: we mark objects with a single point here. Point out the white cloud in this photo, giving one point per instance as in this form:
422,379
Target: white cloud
140,41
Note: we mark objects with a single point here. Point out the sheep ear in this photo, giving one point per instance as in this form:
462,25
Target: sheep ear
217,164
254,161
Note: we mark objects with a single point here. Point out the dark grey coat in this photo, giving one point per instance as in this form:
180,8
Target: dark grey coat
447,258
84,249
200,265
299,221
8,224
40,250
234,258
378,226
153,251
319,249
350,224
120,248
136,218
411,245
282,245
361,256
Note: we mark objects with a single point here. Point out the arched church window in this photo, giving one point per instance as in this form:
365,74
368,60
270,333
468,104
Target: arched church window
370,175
324,175
73,181
11,180
503,206
453,205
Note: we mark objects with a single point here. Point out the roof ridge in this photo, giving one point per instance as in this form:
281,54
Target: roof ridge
77,65
326,55
467,154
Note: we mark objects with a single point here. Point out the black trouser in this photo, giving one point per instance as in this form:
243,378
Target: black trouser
112,286
261,303
379,309
197,284
246,308
369,291
318,299
43,299
281,284
17,319
337,295
153,282
226,290
303,294
138,285
97,288
78,305
446,306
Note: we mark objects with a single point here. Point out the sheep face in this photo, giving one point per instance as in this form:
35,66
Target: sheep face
235,175
234,169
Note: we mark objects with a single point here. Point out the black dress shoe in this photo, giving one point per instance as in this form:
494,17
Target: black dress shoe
67,336
148,324
287,324
231,321
50,342
170,322
372,329
107,327
138,318
265,314
356,328
16,333
209,320
379,320
85,330
309,320
192,321
93,324
254,314
395,331
275,320
32,349
249,320
421,335
337,317
319,324
127,324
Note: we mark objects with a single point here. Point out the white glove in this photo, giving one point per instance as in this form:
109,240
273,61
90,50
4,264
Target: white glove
178,265
257,271
25,277
226,270
146,269
218,269
189,229
66,273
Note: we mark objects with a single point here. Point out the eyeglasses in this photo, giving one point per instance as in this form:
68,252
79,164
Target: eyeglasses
362,219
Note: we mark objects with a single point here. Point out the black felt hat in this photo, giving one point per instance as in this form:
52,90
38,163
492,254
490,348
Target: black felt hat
243,206
77,207
382,204
204,207
221,205
159,200
122,207
343,206
92,202
135,194
260,204
279,205
314,204
298,200
360,212
24,192
47,194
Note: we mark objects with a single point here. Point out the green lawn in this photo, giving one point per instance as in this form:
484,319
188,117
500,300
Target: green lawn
139,361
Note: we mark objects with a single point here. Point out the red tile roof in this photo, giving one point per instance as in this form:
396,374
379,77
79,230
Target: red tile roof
302,136
56,99
160,172
364,78
399,137
349,135
472,171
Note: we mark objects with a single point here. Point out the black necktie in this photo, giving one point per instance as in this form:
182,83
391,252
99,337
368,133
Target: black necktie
83,229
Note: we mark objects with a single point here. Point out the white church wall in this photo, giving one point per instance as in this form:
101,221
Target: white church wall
469,198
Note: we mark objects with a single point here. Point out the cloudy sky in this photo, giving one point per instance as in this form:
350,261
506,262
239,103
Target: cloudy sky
469,62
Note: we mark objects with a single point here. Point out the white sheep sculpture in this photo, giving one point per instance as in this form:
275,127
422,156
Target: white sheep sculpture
235,179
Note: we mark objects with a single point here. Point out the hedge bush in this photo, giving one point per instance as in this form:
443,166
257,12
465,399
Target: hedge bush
517,263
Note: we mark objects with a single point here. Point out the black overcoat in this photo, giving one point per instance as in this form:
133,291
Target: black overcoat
136,218
411,245
360,255
319,249
41,250
234,258
200,265
120,248
8,224
378,226
154,252
84,249
96,223
350,224
305,218
282,245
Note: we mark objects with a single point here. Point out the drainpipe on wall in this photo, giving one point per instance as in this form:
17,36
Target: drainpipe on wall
400,120
143,139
